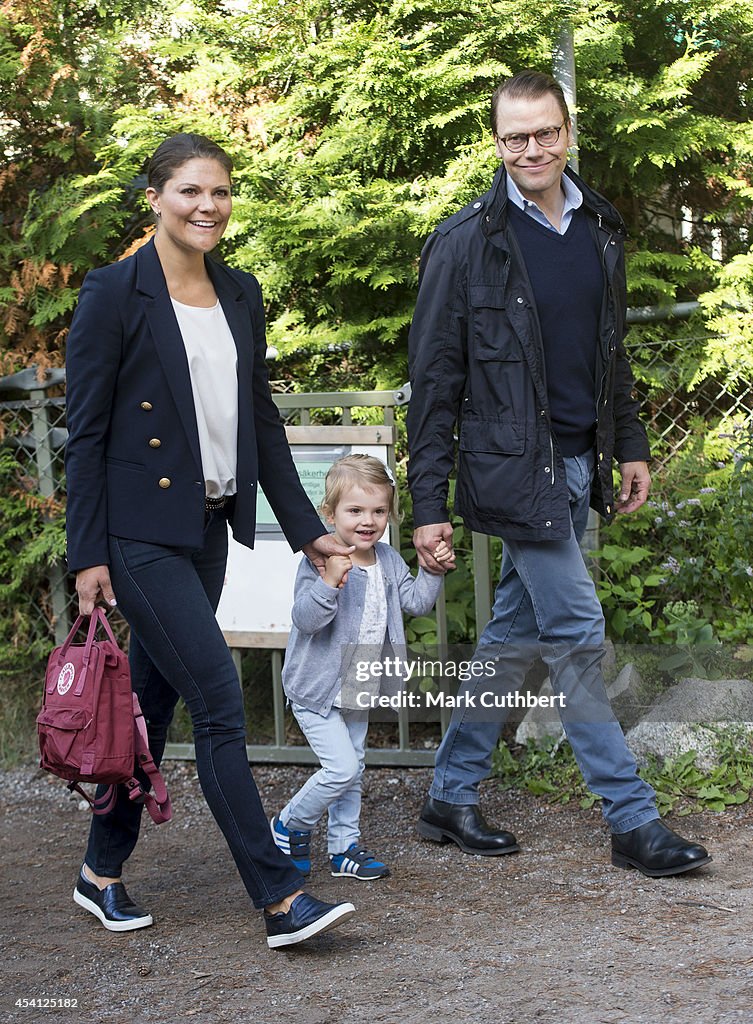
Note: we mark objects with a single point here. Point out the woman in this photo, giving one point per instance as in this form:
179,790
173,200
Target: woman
171,425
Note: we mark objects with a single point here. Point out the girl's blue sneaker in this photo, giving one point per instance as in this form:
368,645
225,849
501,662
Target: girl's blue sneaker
358,862
294,843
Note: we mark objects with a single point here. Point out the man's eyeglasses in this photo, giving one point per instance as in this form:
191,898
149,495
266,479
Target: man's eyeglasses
545,137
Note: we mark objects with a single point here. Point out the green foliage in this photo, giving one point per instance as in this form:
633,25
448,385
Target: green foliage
32,539
356,128
623,590
679,781
64,70
550,771
693,541
729,310
459,597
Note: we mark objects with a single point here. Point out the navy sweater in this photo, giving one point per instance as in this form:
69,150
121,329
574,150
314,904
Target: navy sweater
568,285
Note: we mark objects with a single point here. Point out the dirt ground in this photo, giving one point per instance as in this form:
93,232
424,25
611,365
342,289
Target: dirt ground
552,934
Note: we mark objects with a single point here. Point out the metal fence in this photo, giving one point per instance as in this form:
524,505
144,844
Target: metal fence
671,411
32,425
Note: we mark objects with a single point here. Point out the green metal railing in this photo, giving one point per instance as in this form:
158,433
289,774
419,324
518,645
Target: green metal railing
33,424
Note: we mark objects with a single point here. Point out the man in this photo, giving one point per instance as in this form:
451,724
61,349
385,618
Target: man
517,339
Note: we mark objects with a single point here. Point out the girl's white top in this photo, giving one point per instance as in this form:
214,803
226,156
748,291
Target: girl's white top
374,618
213,365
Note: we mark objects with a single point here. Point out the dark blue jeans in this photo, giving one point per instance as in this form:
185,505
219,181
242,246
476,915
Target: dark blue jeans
169,597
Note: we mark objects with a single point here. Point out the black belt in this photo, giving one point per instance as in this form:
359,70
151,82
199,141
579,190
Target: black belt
212,504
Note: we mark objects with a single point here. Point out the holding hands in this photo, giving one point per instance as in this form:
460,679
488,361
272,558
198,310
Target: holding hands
338,566
319,550
429,541
337,569
445,556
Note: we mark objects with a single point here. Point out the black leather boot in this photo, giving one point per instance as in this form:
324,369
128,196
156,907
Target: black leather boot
464,824
656,850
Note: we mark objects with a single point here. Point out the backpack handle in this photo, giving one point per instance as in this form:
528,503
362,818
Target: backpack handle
97,618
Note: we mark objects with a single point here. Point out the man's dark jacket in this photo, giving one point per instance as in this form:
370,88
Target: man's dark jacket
477,362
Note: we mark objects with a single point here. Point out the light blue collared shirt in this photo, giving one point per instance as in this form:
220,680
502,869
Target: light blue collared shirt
573,201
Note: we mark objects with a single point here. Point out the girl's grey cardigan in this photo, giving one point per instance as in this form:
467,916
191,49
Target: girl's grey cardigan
326,622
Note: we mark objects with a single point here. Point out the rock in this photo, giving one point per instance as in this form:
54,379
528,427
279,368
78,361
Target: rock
538,722
624,694
609,661
690,716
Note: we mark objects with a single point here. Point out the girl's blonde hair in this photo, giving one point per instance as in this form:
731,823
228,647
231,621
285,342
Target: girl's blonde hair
364,470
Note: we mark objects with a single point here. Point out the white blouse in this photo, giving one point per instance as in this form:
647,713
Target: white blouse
373,628
213,365
374,619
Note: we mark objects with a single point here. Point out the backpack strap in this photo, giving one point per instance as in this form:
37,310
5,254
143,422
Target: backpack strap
158,801
71,636
99,805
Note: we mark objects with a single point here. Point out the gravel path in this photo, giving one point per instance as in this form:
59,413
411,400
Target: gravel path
552,934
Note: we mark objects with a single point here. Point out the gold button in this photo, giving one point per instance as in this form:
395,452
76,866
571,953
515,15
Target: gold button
609,509
155,442
146,406
165,482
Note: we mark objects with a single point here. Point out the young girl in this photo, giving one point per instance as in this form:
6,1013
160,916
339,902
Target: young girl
341,620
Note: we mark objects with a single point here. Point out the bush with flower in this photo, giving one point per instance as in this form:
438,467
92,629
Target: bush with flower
681,568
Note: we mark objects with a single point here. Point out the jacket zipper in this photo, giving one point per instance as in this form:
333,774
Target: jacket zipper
603,378
611,336
551,456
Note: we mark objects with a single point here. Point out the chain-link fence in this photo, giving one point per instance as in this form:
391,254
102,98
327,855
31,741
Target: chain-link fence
672,411
33,431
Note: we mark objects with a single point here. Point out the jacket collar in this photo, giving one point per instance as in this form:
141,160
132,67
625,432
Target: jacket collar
150,282
150,278
495,200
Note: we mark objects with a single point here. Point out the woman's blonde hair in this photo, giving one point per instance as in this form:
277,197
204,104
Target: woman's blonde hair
364,470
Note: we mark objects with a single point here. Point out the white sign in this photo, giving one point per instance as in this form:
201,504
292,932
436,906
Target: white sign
258,592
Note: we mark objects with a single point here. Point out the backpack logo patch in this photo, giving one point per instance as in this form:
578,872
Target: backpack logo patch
66,677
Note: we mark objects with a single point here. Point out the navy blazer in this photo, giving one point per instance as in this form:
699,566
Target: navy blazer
133,462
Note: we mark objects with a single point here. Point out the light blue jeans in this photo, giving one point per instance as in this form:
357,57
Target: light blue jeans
546,605
338,740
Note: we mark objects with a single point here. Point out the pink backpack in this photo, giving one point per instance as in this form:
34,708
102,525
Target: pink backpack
91,728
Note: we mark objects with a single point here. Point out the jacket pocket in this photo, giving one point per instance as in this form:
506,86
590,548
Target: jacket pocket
492,336
122,464
504,437
494,474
